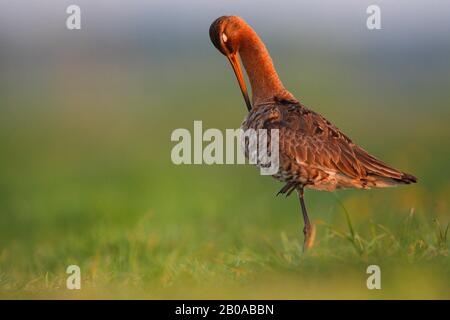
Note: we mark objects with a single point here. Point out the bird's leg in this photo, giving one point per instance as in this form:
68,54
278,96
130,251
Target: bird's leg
307,230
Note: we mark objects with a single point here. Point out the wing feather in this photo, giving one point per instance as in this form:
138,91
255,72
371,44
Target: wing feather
313,141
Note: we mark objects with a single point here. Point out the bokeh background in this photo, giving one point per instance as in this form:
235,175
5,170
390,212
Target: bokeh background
86,176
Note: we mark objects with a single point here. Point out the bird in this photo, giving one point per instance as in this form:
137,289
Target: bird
313,152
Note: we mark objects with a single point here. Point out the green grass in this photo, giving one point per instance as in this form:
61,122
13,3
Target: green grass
86,179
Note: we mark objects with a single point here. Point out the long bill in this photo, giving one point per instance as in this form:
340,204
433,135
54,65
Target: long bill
234,60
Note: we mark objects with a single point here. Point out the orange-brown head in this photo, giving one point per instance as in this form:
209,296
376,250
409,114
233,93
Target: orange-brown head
233,37
225,33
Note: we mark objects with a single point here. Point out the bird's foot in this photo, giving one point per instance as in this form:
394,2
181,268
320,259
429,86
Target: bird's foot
310,235
288,188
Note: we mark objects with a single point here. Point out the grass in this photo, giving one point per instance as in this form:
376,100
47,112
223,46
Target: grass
86,179
135,234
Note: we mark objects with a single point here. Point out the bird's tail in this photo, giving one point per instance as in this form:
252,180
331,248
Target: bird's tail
379,173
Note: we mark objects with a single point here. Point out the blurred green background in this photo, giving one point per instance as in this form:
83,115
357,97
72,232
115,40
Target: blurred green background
86,176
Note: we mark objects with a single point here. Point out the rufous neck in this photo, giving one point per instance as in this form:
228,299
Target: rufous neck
261,72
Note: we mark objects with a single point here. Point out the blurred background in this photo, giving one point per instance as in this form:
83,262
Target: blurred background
86,176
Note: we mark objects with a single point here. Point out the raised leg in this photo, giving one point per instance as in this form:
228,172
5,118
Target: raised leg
308,229
288,188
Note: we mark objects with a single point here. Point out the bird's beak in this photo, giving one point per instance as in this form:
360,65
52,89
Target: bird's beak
234,60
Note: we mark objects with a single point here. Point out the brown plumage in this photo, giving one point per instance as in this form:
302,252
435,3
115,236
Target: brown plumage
313,152
316,153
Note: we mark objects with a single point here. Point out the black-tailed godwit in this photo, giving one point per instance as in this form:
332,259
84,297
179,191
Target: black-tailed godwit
313,153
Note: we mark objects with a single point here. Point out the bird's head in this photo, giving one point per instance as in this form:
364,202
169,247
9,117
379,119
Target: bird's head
226,34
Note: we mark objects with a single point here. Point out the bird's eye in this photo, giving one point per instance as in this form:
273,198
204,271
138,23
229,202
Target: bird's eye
224,37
